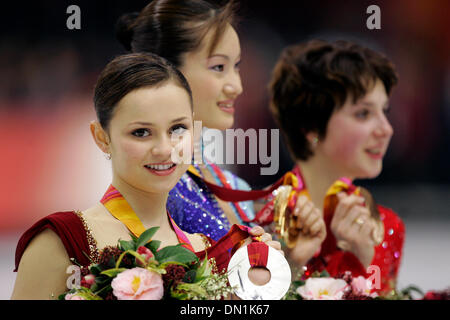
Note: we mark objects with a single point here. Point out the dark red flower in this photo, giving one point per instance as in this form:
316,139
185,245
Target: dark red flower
349,295
174,275
437,295
111,253
110,296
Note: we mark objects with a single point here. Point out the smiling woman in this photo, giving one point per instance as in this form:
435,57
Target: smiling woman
130,95
200,39
331,101
140,136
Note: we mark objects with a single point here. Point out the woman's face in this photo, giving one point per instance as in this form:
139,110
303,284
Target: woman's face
358,136
144,129
214,79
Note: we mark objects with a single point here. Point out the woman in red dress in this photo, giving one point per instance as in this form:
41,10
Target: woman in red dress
331,101
144,110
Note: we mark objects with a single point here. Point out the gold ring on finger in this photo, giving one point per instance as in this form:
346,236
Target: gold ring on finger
359,221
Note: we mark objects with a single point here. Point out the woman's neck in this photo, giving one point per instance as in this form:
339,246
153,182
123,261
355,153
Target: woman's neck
318,176
149,207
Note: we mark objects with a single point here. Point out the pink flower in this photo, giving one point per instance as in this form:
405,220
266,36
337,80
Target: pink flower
322,289
138,284
88,280
145,253
73,296
362,286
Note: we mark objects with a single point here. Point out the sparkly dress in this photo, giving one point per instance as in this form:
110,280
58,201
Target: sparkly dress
196,210
387,254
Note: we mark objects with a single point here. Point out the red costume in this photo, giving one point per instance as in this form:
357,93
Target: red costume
81,246
387,254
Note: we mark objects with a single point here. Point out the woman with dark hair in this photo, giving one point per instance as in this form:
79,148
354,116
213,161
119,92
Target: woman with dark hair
199,38
139,139
331,101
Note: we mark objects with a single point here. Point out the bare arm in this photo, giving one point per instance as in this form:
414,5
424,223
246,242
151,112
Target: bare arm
42,270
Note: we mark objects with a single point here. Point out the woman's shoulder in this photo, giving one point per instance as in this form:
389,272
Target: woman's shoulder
63,227
44,255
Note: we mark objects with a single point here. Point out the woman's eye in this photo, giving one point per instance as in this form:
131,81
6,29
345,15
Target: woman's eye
237,66
218,68
387,110
178,129
141,133
363,114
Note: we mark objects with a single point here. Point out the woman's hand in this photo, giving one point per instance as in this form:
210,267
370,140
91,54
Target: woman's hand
309,228
264,237
352,226
260,275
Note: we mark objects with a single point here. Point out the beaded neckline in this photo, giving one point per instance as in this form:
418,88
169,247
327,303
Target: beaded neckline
94,253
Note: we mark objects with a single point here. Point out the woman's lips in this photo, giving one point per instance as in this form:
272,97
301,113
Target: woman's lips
226,106
161,169
375,153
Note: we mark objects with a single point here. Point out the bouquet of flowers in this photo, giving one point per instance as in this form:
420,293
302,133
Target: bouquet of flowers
320,286
139,270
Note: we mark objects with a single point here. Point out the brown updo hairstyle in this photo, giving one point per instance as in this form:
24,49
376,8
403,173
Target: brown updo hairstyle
171,28
129,72
313,79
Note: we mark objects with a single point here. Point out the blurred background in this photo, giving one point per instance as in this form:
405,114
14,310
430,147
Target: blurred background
49,162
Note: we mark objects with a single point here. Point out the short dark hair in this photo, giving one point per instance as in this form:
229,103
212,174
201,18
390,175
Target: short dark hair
313,79
171,28
129,72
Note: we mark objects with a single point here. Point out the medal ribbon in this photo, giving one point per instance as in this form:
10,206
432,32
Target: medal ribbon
119,208
258,253
227,193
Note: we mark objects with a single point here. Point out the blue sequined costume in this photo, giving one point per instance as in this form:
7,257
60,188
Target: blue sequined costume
195,209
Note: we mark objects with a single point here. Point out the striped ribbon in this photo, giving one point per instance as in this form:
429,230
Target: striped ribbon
119,208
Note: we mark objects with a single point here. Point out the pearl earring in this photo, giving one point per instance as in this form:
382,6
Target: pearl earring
108,156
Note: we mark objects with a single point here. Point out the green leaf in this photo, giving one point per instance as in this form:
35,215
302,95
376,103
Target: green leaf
113,272
146,236
408,291
153,246
324,274
203,271
133,253
133,237
95,269
165,264
189,277
298,283
127,245
176,253
104,290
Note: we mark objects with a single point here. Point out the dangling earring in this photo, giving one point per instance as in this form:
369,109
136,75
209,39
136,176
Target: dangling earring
108,156
315,141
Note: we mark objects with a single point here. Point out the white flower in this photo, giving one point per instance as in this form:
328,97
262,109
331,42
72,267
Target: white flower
362,286
322,289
